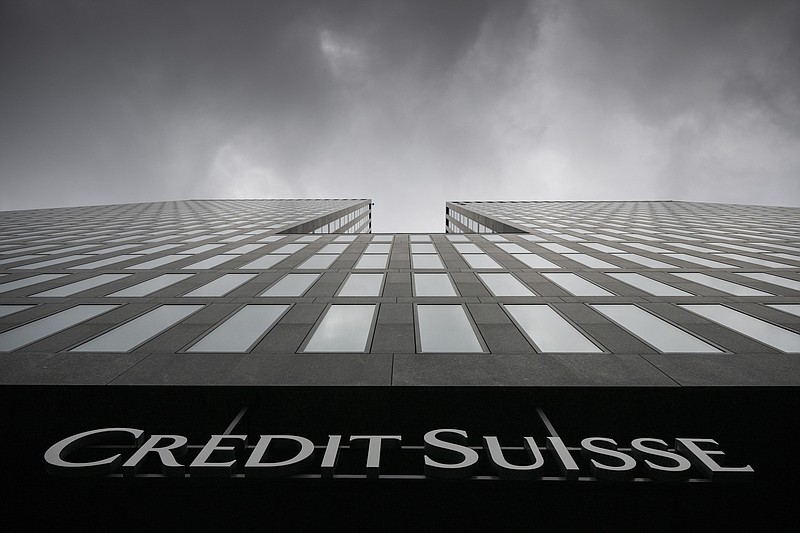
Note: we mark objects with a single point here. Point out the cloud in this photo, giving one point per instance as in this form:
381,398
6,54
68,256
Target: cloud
409,102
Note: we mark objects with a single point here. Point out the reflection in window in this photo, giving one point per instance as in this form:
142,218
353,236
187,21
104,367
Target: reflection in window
445,328
549,331
769,334
222,285
150,286
372,261
362,285
767,278
426,261
44,327
343,328
481,261
433,285
139,330
84,285
720,284
504,284
575,284
535,261
648,285
292,285
657,332
242,330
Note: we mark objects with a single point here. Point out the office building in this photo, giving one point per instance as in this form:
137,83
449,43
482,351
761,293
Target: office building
601,331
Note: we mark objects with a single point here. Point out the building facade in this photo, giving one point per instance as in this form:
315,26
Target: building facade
673,322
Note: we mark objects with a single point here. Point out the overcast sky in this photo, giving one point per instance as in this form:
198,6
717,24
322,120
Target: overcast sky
410,103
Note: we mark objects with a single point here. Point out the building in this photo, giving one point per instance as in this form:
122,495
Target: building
556,321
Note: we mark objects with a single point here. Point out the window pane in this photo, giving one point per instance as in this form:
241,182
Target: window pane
152,285
382,238
378,249
792,309
422,248
239,332
425,261
467,248
645,261
651,286
590,261
334,248
44,327
481,261
290,248
576,285
653,330
362,285
769,334
557,248
767,278
504,284
105,262
721,284
161,261
510,247
263,263
344,328
755,261
433,285
27,282
292,285
549,331
445,328
211,262
139,330
535,261
51,262
6,310
222,285
419,238
78,286
700,261
245,248
374,261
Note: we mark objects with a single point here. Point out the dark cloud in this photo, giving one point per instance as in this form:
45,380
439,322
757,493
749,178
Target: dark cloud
407,102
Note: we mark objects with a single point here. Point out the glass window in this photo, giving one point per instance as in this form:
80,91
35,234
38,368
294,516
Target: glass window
334,248
532,238
769,334
382,238
575,284
378,249
345,238
6,310
245,248
44,327
504,284
691,247
480,261
373,261
467,248
292,285
792,309
422,248
557,248
419,238
457,238
265,262
222,285
79,286
139,330
657,332
699,261
308,238
271,238
161,261
201,249
51,262
645,261
601,247
650,286
317,261
721,284
495,238
105,262
767,278
290,248
589,261
150,286
343,328
27,282
211,262
242,330
645,247
755,261
535,261
426,261
549,331
445,328
362,285
433,285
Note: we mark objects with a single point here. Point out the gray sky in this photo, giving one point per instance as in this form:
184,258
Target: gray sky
410,103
